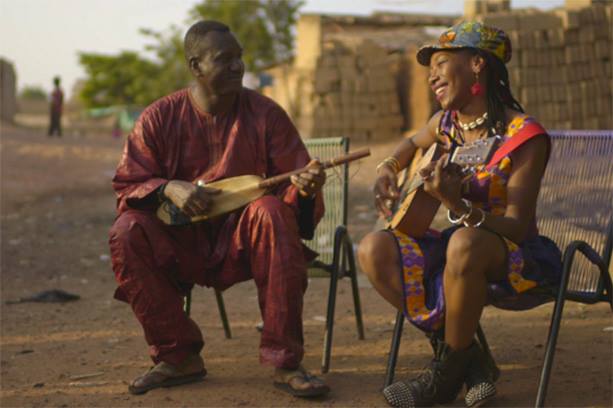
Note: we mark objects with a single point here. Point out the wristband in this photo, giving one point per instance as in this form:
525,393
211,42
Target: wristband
478,223
463,217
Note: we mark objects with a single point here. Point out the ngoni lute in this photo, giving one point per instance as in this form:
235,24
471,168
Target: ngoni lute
237,192
416,209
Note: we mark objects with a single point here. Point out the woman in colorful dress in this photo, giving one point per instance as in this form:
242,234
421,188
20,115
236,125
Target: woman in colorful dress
493,253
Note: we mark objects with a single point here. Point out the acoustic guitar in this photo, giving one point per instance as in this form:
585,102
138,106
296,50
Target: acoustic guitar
237,192
417,208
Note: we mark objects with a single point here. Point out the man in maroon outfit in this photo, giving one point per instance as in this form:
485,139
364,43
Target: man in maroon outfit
214,130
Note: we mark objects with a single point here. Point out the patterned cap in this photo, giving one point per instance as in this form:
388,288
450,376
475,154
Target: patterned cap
469,34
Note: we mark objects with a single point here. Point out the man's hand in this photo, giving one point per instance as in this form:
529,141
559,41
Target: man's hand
191,199
312,180
386,191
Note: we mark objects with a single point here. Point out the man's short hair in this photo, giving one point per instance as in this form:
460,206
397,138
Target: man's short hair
196,33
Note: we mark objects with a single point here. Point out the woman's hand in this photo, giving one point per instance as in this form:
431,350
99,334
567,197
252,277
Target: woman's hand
443,182
386,191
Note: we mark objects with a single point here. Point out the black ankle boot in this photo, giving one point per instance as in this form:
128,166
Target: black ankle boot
440,382
480,379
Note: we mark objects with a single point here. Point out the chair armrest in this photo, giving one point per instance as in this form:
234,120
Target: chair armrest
589,252
593,256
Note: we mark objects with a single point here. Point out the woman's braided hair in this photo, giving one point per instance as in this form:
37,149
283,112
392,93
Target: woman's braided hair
498,96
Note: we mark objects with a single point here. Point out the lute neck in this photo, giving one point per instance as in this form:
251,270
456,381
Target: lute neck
346,158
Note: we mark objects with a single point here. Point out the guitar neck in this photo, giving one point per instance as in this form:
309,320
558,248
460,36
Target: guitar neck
417,181
337,161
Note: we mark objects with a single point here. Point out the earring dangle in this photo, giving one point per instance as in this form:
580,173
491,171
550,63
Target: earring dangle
476,89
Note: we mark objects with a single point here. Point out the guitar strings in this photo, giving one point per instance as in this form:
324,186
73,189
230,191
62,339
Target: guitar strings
355,173
334,174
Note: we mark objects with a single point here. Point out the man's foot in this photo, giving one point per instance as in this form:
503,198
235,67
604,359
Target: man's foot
168,375
300,383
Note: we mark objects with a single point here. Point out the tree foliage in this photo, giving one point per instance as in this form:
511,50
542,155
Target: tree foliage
263,27
168,50
124,79
33,93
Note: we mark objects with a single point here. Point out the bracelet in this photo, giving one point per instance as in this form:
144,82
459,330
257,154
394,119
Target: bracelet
390,161
478,223
463,217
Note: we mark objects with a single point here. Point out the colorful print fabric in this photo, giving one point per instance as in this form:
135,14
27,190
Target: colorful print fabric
470,34
423,259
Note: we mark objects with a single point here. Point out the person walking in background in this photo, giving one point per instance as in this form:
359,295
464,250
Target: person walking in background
55,108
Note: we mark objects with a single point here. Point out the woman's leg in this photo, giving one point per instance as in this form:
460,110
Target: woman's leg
379,259
474,256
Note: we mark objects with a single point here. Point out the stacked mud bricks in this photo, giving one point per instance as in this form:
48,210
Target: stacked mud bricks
354,93
561,65
343,82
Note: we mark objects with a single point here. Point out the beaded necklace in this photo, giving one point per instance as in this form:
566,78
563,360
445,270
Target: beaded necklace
474,124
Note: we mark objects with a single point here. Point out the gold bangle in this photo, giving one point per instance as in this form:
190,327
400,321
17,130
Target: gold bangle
390,161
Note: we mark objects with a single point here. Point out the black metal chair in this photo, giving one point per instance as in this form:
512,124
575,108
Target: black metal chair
575,209
221,306
331,241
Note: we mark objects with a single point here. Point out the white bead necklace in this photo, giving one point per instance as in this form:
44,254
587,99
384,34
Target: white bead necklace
474,124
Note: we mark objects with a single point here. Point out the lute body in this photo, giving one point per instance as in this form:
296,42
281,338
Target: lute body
237,192
417,208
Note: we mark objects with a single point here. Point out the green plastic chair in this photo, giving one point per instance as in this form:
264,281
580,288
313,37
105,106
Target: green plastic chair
331,242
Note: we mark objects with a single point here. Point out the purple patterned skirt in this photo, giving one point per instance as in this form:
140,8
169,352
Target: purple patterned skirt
536,263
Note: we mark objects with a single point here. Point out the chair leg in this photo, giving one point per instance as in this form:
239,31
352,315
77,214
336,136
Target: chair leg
486,348
394,348
325,362
608,286
336,269
550,349
222,314
353,275
554,327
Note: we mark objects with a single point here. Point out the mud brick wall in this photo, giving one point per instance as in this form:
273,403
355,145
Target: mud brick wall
353,94
343,82
561,65
8,89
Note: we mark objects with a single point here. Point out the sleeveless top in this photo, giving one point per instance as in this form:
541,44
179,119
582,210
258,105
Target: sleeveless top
487,189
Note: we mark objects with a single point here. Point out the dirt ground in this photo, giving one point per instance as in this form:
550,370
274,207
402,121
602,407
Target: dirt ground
57,206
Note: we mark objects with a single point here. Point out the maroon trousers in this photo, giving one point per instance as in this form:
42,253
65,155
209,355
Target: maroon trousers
151,261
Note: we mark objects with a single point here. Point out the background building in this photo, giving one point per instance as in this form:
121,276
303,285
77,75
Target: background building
357,76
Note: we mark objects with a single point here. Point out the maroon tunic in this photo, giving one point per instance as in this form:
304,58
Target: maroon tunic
155,264
57,101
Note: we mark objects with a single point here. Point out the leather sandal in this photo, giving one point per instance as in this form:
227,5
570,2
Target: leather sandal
167,375
289,382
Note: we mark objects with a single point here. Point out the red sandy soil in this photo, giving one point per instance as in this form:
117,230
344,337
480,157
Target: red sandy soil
57,206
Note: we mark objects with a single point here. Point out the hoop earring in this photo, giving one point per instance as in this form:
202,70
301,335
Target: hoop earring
476,89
